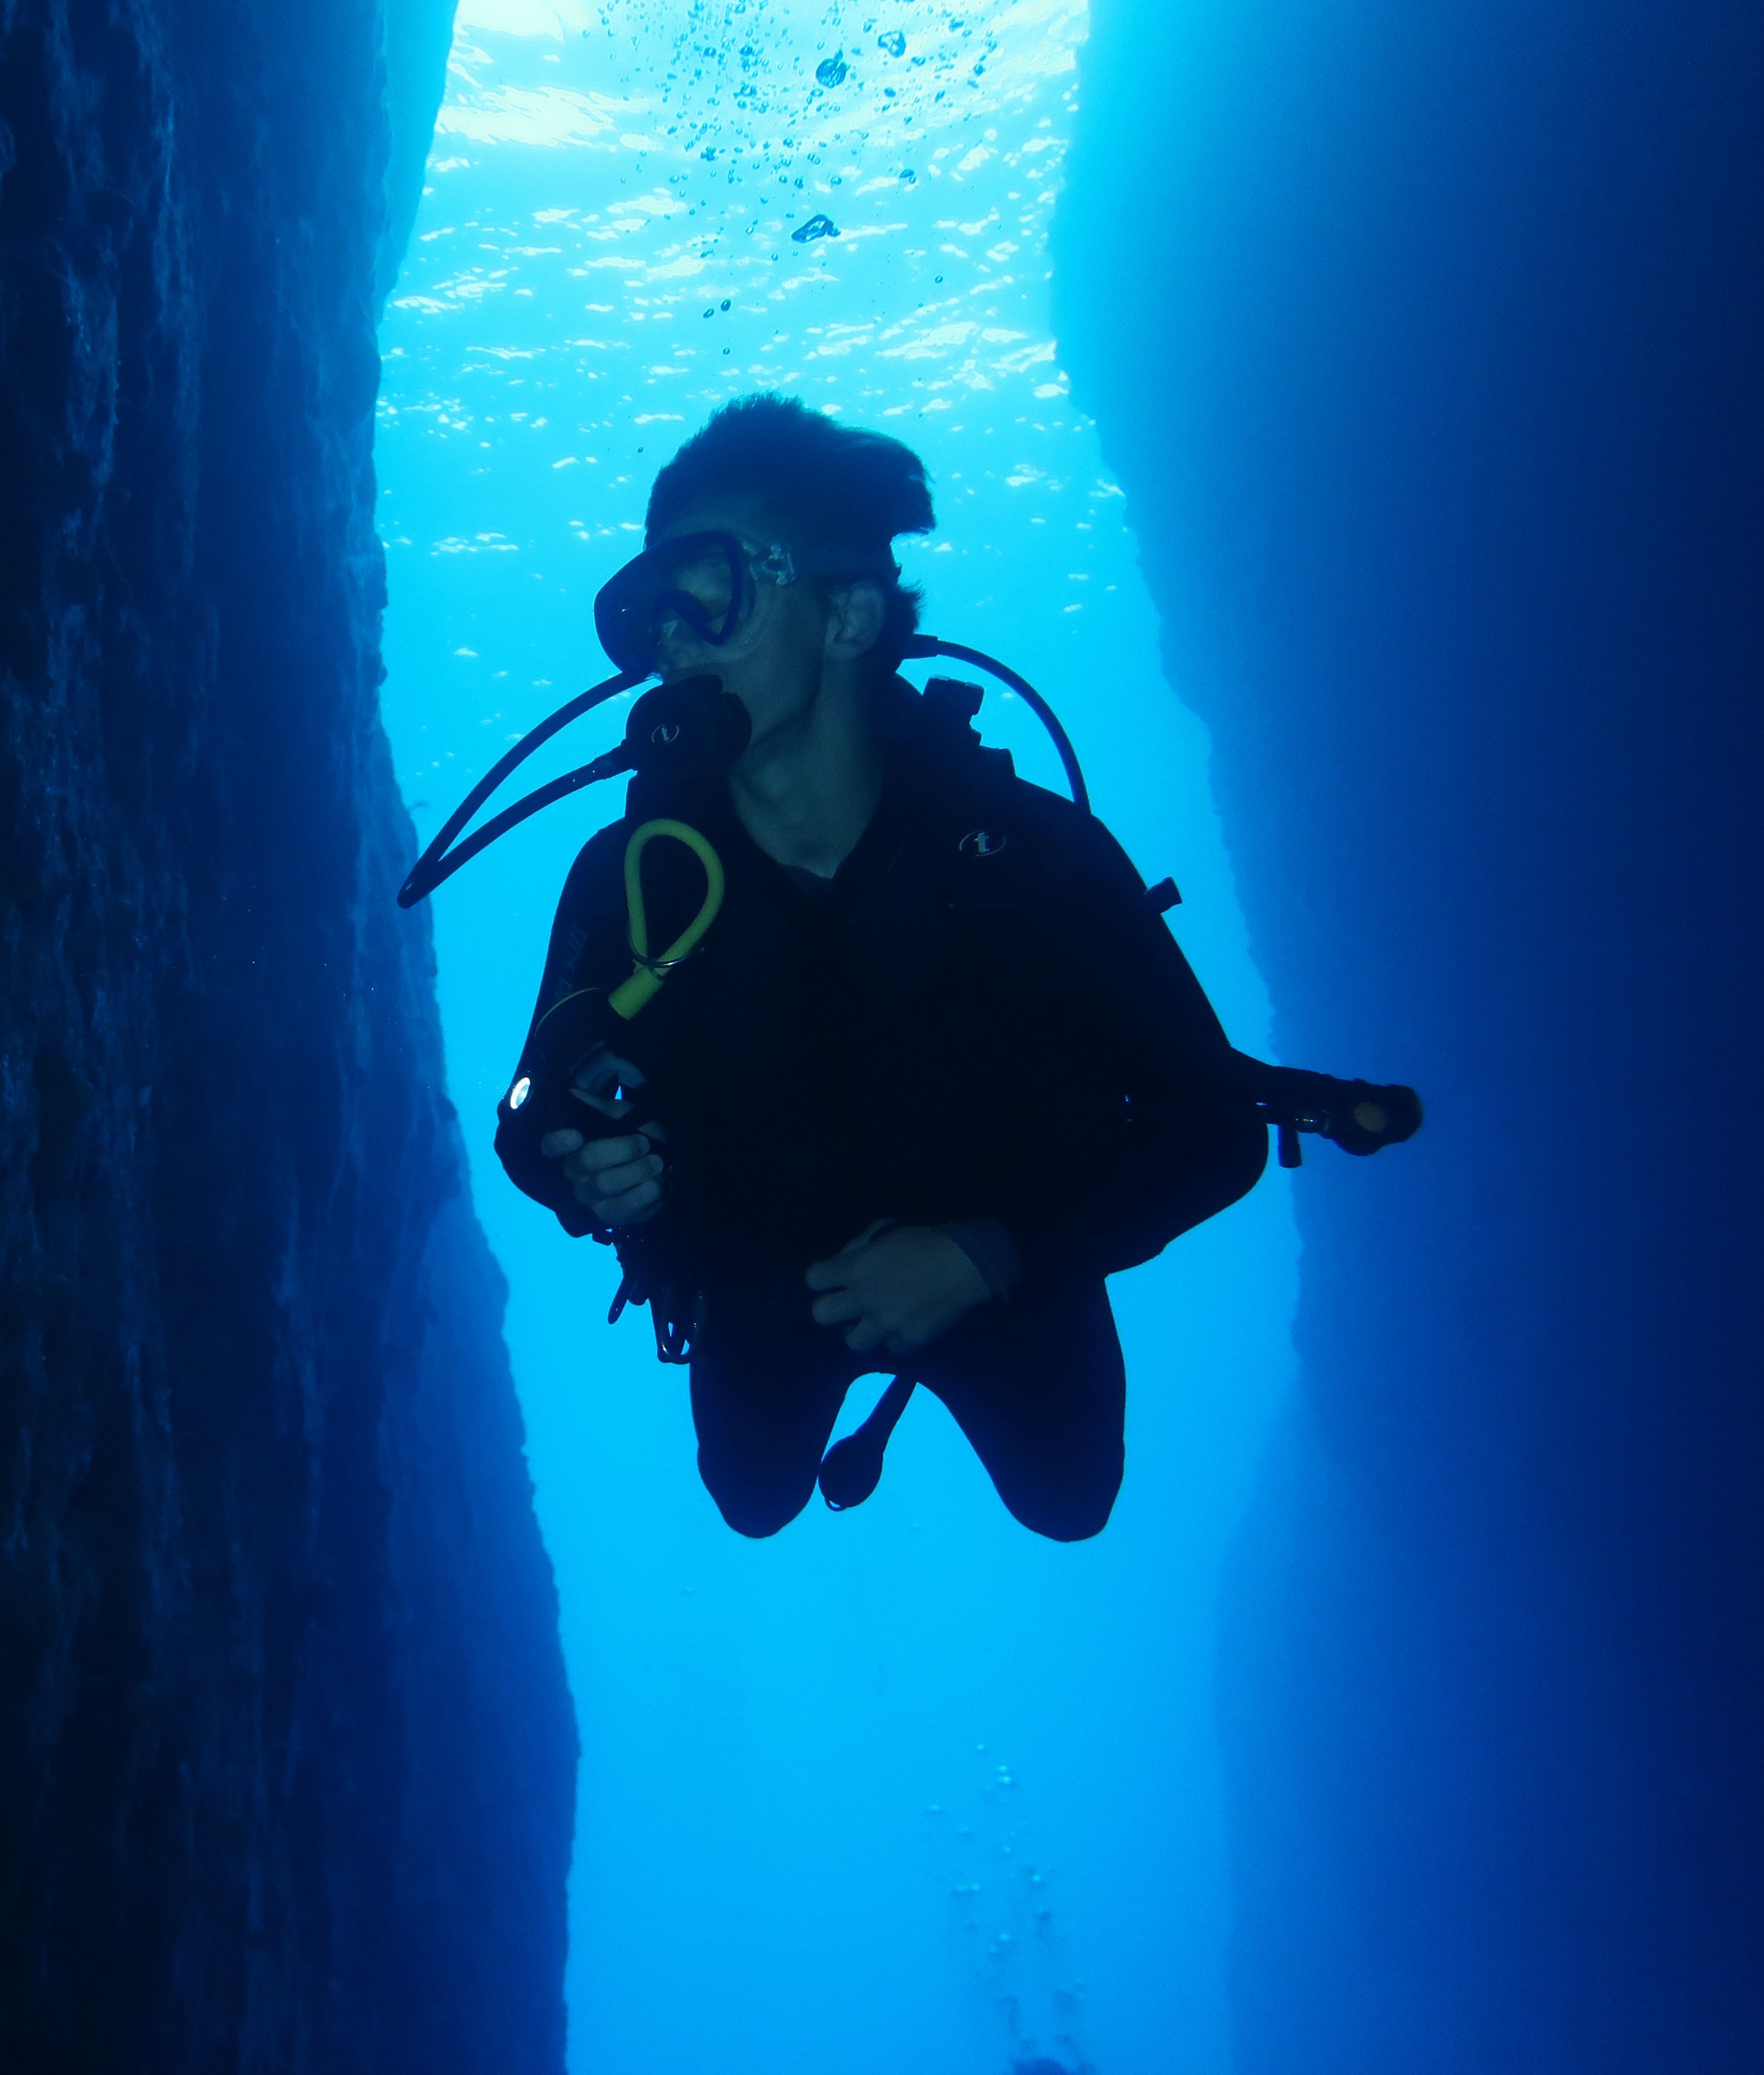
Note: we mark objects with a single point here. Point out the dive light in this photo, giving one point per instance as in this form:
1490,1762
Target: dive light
1362,1117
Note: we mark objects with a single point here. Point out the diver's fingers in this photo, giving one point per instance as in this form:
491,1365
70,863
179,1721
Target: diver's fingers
615,1181
830,1274
556,1144
624,1208
599,1154
577,1167
835,1308
866,1334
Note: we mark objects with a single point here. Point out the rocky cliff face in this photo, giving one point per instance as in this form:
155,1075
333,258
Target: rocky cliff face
1425,341
286,1752
1433,386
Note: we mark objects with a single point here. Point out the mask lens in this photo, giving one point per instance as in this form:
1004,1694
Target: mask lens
697,584
704,576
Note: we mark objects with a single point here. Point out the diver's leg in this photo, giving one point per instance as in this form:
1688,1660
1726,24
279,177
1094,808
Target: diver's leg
1038,1386
766,1386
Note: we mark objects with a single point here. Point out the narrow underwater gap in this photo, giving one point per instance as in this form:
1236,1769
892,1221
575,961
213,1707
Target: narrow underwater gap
907,1786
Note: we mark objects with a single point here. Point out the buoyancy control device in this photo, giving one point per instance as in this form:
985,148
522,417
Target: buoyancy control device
567,1078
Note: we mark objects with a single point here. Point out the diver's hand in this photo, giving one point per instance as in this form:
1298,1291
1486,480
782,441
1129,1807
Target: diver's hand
896,1288
617,1181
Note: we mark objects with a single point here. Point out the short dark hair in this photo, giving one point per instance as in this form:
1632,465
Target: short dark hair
823,483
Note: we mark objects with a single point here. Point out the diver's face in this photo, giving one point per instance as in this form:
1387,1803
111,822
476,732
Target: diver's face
773,661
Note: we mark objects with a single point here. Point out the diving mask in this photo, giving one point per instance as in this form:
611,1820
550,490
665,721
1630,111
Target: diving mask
708,584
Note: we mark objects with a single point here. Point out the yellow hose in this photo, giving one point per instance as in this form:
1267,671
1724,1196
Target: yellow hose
646,979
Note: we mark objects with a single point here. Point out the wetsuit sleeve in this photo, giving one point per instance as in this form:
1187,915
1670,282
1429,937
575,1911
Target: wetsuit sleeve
988,1242
587,947
1142,1130
587,938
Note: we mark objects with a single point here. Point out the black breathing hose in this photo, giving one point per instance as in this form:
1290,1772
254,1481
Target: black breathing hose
923,647
437,863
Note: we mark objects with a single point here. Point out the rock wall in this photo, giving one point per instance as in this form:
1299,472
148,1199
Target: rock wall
287,1754
1425,341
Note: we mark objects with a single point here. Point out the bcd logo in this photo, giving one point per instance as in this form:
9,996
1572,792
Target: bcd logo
982,843
664,733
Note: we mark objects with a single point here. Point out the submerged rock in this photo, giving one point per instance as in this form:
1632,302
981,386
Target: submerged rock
1490,1642
288,1751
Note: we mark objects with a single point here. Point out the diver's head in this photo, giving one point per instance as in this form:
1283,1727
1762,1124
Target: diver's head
769,563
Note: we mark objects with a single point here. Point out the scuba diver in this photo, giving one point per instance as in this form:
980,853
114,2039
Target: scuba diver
920,1065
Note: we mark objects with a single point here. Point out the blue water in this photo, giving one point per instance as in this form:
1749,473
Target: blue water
907,1787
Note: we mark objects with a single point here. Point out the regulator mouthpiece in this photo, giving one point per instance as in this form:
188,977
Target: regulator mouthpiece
690,729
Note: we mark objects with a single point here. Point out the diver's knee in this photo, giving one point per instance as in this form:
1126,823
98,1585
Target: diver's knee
1069,1527
1065,1516
758,1524
751,1508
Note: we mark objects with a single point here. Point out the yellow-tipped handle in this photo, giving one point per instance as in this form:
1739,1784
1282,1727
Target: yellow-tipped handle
645,981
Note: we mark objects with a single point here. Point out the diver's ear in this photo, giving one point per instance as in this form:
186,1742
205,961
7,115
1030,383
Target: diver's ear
856,613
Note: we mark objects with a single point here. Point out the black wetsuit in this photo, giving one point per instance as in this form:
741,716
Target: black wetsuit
980,1023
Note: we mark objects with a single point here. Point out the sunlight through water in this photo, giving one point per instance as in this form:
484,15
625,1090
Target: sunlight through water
905,1788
